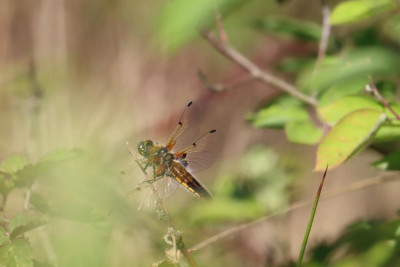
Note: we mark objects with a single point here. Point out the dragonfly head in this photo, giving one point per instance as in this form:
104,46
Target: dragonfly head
144,146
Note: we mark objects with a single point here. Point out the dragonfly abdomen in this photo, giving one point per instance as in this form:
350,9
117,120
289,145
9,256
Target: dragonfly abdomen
180,174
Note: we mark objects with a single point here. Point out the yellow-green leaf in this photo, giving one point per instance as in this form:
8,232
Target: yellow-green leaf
333,112
17,253
348,136
24,222
3,236
352,11
14,163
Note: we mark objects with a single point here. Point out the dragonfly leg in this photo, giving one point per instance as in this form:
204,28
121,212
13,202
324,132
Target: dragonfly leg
156,176
151,180
141,167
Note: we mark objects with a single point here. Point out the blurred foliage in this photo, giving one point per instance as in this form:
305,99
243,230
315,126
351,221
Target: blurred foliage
354,64
390,162
292,28
259,185
351,11
277,114
62,203
338,82
177,26
362,244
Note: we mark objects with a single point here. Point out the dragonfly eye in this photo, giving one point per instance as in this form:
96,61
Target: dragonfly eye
148,143
143,147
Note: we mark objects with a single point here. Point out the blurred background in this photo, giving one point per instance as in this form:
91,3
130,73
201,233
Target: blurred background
78,79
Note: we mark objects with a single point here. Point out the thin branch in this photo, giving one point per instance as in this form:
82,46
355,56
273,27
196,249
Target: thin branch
223,37
218,88
310,222
373,88
323,44
233,55
351,188
326,31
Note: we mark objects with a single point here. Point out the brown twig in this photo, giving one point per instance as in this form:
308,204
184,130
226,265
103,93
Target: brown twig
218,88
236,57
352,187
223,37
326,30
373,88
323,43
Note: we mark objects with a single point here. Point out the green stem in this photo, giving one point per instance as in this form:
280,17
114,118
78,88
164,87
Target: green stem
310,222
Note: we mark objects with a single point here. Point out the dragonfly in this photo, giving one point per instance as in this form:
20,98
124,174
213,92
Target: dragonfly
184,153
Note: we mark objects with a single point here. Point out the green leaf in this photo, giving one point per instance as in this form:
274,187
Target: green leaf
357,63
391,28
23,223
388,133
18,253
3,236
390,162
303,132
352,11
348,137
181,20
387,89
14,163
289,27
279,113
293,64
341,89
61,154
333,112
42,203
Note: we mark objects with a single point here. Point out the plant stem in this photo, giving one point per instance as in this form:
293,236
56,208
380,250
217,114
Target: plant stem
310,222
384,102
258,74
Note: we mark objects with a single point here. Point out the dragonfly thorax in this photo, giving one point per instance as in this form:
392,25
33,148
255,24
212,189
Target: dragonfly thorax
168,158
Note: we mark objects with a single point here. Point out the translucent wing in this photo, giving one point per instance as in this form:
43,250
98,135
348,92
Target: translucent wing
162,188
187,129
149,191
202,153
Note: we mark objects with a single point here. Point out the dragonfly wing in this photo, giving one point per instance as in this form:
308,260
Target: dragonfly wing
201,154
151,191
187,129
